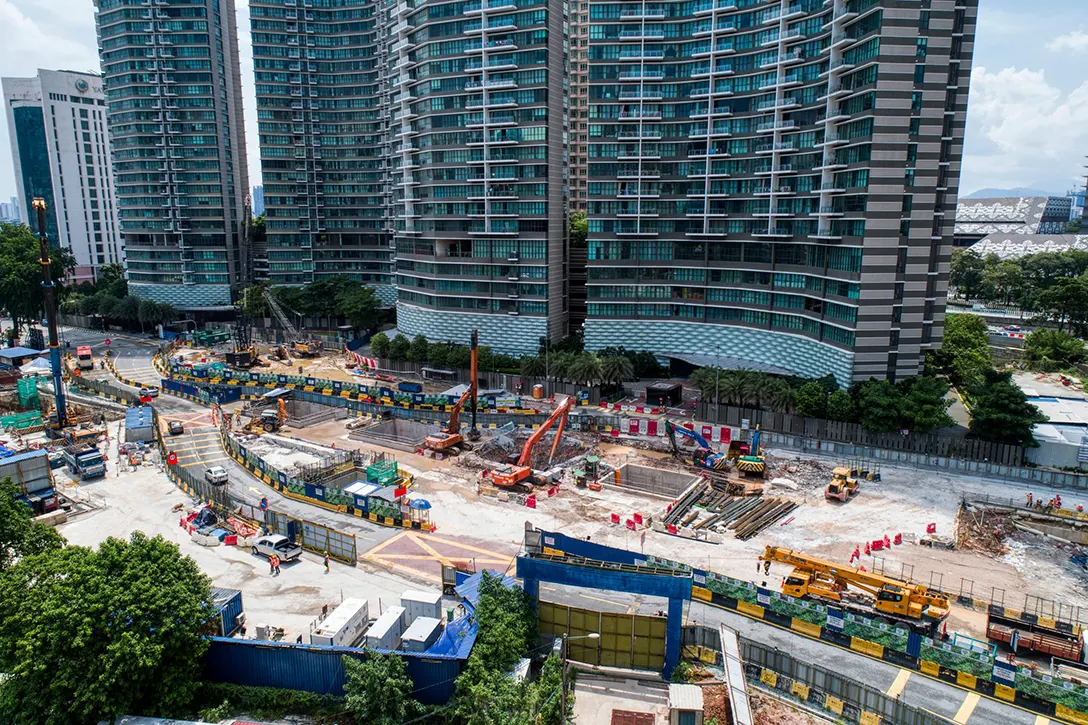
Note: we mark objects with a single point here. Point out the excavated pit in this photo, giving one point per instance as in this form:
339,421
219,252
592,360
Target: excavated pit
654,481
506,448
396,433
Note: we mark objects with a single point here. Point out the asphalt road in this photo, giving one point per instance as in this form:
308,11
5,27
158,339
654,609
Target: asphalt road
199,448
913,688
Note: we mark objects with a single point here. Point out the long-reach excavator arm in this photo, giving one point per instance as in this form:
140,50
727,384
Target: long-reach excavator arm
521,470
812,577
450,437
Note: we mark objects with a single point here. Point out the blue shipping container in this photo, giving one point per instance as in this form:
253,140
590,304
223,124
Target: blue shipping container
410,387
318,668
228,604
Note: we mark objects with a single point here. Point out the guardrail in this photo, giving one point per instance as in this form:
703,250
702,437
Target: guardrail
947,661
806,683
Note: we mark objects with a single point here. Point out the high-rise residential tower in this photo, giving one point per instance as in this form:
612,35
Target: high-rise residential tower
772,184
179,154
61,152
479,130
322,138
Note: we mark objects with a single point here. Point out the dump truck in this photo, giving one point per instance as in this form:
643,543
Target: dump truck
861,592
842,486
84,357
84,461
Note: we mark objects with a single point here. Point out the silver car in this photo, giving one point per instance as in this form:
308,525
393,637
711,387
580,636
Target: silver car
279,545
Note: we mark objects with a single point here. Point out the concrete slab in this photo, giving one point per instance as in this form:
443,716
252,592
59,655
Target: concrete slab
597,696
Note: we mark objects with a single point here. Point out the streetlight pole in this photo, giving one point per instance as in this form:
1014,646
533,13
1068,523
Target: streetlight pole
717,372
51,316
563,668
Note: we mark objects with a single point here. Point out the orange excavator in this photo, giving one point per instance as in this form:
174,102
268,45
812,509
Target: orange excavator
449,439
508,476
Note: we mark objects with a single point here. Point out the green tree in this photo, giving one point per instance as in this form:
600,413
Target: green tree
879,403
20,535
460,357
708,381
111,280
966,272
1000,411
924,408
777,395
1006,279
532,366
379,344
1051,350
616,369
21,292
253,300
91,635
578,226
965,351
147,313
438,354
585,368
810,400
361,307
418,350
1066,301
840,406
378,690
127,309
398,348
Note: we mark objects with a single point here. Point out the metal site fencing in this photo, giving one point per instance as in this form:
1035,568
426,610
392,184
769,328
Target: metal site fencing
105,389
313,537
807,683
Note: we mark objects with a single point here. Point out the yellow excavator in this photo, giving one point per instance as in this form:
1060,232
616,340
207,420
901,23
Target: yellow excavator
270,420
842,486
915,605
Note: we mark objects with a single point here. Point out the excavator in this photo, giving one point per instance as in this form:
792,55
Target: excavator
753,465
449,439
704,457
914,605
508,476
270,420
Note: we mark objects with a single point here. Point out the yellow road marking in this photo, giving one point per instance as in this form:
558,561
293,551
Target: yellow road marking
193,449
387,542
430,550
968,707
405,569
459,545
898,686
427,557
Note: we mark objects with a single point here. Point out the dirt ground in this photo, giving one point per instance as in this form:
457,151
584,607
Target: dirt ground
768,711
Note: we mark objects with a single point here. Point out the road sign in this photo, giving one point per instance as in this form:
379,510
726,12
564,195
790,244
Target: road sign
172,458
107,341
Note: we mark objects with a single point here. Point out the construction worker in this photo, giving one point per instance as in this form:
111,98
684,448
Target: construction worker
276,563
272,564
766,568
1029,499
326,562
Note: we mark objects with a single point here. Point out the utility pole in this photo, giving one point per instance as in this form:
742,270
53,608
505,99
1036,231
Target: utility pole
474,371
51,316
563,686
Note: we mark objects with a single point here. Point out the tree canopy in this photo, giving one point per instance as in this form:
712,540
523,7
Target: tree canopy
1052,350
21,293
378,689
87,635
20,535
1000,411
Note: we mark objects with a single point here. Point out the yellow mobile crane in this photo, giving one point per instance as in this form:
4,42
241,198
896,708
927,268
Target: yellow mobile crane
913,604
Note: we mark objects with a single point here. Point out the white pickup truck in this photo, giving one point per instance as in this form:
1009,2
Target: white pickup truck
216,475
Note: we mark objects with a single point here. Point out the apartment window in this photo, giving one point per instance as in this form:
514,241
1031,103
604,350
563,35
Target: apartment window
916,101
923,20
915,127
904,227
919,75
921,46
908,177
908,204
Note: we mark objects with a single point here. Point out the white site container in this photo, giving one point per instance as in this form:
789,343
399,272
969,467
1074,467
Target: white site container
422,634
421,603
386,631
344,626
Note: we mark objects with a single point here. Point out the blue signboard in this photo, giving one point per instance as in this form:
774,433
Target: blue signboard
281,380
311,381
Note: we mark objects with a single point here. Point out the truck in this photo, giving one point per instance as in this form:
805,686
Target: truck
1018,635
861,592
84,461
84,357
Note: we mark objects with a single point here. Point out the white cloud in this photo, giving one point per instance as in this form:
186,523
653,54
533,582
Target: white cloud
1075,42
1040,133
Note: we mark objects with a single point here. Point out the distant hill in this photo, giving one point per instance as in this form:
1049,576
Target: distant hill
1007,193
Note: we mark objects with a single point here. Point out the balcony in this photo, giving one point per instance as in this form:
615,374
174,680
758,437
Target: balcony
709,8
829,211
775,232
648,12
831,140
826,233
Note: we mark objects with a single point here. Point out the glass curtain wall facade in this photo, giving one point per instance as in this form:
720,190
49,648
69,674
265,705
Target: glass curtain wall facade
323,131
772,184
171,73
478,109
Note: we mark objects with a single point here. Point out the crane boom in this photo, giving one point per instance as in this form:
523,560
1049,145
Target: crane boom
557,414
828,580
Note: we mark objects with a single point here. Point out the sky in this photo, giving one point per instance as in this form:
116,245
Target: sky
1027,120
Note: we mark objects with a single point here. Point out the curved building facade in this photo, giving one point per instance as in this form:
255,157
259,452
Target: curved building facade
478,156
775,182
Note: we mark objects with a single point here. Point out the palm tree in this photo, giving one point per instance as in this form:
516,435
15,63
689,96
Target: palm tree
585,368
616,369
761,388
705,379
733,386
559,365
532,366
778,396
